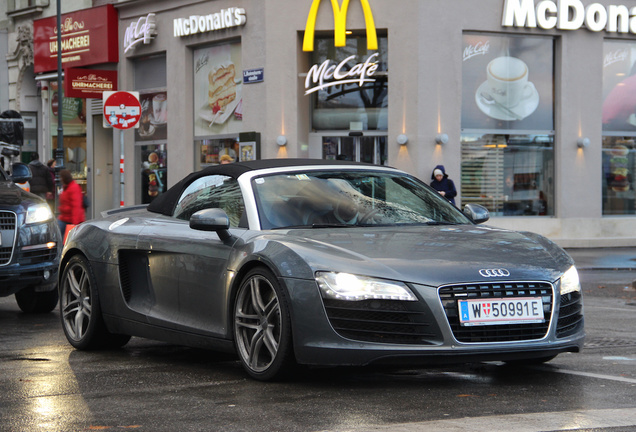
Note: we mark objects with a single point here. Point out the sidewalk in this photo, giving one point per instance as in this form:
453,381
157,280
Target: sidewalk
618,258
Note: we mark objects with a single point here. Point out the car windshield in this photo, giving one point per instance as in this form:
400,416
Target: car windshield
353,198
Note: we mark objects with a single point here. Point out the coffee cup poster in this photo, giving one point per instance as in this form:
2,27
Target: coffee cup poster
507,82
218,85
154,117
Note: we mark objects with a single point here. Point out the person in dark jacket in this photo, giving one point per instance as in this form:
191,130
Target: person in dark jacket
41,181
442,184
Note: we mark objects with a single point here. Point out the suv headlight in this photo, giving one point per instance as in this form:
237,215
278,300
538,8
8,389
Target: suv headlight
570,281
38,213
346,286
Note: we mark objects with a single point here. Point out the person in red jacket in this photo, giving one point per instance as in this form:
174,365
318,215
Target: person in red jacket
71,202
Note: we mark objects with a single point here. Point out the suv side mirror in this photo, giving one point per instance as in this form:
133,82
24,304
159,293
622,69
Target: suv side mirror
476,213
20,173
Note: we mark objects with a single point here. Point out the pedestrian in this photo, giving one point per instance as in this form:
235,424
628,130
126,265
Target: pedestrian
71,202
50,198
51,164
41,182
442,184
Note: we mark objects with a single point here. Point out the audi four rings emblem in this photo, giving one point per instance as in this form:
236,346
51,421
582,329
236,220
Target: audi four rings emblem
494,272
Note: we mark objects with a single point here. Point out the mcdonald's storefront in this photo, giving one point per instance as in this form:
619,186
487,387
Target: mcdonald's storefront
529,104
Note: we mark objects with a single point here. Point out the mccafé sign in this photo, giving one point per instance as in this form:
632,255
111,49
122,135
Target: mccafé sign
569,15
340,23
89,37
329,73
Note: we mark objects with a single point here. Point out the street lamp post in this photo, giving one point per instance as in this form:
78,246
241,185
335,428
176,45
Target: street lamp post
59,151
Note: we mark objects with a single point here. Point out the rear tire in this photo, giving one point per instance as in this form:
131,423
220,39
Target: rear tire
80,309
31,301
262,327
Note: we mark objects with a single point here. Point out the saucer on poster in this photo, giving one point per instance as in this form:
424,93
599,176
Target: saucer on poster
523,109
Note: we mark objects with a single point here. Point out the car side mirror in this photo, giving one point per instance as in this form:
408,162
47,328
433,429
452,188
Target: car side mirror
478,214
212,219
20,173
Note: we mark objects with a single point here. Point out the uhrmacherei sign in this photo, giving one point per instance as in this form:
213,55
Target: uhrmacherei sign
89,36
88,83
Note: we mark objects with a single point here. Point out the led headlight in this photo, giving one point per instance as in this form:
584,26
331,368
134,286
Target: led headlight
38,213
570,281
346,286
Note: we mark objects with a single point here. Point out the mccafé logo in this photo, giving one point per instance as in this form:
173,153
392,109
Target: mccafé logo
329,74
569,15
340,24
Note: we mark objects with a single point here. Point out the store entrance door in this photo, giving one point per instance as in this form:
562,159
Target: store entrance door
102,196
356,147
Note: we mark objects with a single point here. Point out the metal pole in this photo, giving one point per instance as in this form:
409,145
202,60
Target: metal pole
121,167
59,152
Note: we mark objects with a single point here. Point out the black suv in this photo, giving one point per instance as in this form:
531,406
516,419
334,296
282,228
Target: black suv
30,245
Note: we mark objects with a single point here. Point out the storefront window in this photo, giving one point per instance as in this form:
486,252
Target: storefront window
507,124
218,101
213,149
74,128
351,106
152,135
508,173
368,149
619,128
154,175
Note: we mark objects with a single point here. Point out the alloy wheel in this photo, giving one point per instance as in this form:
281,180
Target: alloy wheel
258,323
76,303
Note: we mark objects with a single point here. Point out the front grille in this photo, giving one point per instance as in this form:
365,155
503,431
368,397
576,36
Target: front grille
449,295
37,256
383,321
570,315
7,221
5,255
7,231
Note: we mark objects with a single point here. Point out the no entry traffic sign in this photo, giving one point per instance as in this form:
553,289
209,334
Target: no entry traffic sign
122,109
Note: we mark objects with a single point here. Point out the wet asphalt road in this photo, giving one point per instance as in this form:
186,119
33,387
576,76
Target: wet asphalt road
149,386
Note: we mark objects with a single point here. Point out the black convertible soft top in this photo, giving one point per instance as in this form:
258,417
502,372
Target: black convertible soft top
166,202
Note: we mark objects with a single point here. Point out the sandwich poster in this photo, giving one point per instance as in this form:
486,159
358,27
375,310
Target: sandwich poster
218,86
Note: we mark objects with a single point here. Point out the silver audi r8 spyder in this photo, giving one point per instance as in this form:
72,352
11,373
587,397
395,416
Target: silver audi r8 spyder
318,262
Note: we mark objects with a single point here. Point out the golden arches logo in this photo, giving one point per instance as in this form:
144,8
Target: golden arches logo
340,24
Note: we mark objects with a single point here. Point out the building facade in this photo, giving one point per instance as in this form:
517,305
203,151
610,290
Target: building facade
528,104
20,90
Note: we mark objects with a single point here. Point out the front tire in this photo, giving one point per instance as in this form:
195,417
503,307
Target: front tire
80,309
31,301
262,327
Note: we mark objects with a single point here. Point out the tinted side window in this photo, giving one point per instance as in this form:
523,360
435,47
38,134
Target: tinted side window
212,192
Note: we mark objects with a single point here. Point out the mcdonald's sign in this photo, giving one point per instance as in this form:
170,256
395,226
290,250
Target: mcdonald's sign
340,24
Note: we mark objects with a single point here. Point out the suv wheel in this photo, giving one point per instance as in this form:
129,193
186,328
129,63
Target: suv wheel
31,301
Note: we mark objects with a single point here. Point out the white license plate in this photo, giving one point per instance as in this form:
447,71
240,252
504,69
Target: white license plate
520,310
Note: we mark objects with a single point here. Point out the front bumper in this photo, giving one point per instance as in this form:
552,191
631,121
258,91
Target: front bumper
316,341
16,277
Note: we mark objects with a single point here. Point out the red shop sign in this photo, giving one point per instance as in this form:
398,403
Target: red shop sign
89,37
88,83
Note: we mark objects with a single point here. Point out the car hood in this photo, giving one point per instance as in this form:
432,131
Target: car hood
431,255
12,195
